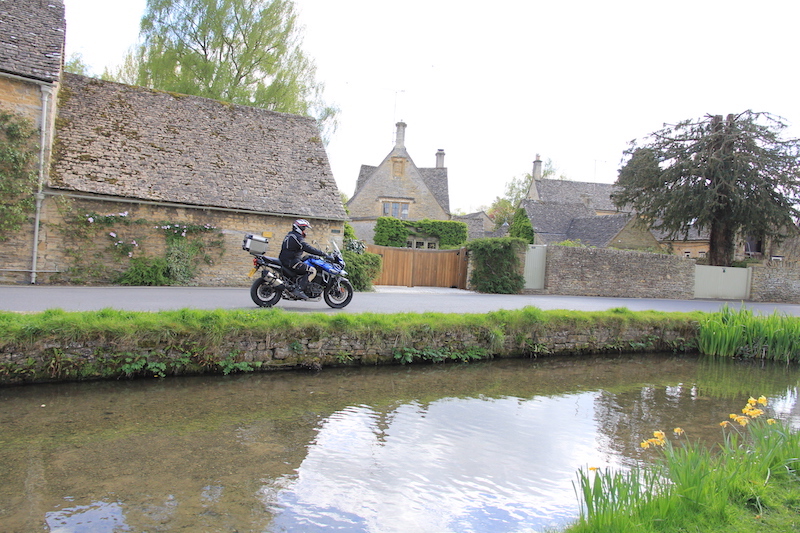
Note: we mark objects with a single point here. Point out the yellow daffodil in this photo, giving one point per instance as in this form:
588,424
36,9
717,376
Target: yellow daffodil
762,400
770,421
724,423
645,444
678,431
752,401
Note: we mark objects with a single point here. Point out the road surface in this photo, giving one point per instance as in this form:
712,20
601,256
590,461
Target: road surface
37,298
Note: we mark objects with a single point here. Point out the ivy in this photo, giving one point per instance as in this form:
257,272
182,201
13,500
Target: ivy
390,231
17,172
521,226
497,265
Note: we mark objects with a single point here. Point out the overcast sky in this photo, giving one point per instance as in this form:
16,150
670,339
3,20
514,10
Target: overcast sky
495,84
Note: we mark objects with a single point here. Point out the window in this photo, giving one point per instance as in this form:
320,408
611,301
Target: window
396,210
687,253
419,244
431,246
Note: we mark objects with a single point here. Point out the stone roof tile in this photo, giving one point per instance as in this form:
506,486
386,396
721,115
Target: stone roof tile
120,140
32,38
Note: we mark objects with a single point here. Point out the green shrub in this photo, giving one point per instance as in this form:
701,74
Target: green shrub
497,265
150,271
362,269
390,232
521,226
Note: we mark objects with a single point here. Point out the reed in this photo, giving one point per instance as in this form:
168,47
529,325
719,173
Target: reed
731,333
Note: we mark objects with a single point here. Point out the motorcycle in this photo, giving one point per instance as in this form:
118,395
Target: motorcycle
276,281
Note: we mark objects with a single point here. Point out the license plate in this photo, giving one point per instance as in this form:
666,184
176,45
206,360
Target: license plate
252,271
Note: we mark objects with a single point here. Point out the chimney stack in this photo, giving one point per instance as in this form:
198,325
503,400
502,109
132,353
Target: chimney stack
440,158
537,168
401,135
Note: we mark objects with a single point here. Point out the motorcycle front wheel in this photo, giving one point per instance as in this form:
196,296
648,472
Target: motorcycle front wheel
263,294
338,294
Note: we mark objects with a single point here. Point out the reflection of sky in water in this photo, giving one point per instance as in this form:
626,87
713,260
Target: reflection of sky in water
501,465
98,517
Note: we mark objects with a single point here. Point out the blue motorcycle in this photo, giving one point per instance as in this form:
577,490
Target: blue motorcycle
276,281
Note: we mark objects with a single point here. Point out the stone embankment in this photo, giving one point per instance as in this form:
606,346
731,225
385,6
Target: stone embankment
54,357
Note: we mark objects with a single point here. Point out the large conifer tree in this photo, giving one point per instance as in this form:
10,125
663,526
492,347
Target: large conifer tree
732,177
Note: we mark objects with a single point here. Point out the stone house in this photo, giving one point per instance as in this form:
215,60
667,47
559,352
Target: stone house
398,188
557,222
125,168
596,198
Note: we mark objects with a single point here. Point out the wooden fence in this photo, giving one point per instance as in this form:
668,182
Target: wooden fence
422,268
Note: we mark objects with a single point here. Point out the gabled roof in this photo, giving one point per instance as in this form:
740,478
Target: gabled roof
436,180
551,220
597,230
594,195
119,140
32,38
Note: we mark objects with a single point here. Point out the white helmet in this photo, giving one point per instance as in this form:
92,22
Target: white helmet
301,225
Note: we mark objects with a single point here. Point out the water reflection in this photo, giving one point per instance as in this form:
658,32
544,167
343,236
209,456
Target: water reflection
487,447
471,464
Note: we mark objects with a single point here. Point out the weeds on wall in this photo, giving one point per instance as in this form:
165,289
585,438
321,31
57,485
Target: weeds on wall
111,248
17,172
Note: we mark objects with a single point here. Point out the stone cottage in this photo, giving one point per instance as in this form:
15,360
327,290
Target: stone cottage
398,188
127,169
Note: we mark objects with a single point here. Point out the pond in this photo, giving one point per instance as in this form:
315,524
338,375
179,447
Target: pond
487,447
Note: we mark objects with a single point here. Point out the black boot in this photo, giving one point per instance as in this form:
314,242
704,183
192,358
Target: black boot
299,289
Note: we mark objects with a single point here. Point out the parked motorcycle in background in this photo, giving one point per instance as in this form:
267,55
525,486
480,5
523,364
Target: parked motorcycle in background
276,281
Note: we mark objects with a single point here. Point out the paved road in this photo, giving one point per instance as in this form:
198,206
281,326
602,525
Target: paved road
30,298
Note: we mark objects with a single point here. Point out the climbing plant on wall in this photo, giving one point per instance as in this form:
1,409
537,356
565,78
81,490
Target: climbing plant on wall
109,248
391,231
17,172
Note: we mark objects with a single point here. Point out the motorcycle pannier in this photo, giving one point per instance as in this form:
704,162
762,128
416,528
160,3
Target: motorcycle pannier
255,244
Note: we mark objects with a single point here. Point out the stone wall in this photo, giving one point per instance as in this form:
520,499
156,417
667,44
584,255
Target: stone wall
74,250
22,98
62,359
617,273
775,281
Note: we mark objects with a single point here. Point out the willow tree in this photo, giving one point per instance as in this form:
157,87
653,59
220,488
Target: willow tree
731,177
244,52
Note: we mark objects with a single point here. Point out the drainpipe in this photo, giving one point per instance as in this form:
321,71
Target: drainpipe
39,196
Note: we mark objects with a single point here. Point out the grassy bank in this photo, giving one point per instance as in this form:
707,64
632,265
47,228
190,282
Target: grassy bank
112,344
749,484
59,345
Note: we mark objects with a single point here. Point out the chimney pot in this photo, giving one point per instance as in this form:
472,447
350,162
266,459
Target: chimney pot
440,158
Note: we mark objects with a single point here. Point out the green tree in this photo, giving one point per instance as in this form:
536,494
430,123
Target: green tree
731,177
76,65
521,226
17,171
505,207
245,52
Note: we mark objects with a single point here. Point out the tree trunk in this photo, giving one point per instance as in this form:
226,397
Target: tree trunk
720,244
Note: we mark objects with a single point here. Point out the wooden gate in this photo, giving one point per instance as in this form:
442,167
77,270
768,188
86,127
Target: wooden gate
421,268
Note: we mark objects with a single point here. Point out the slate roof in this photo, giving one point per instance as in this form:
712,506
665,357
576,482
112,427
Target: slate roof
595,195
32,38
119,140
597,231
436,180
551,220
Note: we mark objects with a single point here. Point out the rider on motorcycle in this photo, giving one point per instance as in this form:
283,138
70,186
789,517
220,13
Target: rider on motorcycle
292,249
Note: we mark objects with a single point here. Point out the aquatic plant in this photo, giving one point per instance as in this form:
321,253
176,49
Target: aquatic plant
751,480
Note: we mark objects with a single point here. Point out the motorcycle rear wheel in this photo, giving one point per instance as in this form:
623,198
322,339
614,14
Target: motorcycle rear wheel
339,294
264,295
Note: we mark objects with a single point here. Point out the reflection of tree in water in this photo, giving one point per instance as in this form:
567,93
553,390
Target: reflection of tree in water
697,404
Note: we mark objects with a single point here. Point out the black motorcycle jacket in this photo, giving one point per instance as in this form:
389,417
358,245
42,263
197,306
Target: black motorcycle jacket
293,247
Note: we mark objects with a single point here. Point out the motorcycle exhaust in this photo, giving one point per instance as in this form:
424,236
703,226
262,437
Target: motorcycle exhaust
273,280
